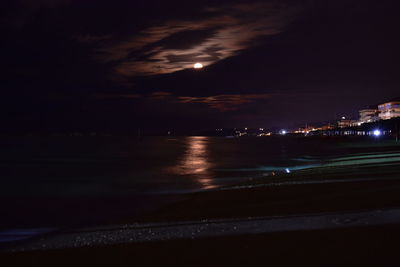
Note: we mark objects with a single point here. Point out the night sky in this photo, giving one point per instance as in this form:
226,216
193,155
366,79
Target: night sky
121,65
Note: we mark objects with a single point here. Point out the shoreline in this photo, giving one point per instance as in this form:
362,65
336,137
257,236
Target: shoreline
337,188
347,184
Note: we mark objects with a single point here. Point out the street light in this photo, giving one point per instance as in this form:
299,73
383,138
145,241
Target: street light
377,133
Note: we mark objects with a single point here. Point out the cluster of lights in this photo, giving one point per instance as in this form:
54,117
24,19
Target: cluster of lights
308,130
375,133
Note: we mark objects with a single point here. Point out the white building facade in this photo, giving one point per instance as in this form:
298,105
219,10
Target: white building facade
368,115
389,110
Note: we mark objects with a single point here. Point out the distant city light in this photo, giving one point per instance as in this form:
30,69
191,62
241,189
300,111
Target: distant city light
377,132
283,132
343,118
287,170
198,65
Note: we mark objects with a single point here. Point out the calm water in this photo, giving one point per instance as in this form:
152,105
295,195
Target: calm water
60,180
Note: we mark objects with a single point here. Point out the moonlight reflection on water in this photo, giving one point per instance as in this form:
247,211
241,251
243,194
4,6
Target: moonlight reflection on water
195,161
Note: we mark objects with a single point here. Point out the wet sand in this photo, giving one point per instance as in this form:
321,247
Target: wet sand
329,189
304,233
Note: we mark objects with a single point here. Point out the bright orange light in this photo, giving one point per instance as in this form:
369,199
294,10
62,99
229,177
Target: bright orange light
198,66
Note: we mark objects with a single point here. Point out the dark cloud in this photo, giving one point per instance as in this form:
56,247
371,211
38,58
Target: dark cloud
221,32
185,40
228,102
224,102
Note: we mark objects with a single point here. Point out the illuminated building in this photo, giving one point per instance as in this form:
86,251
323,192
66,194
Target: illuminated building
389,109
369,114
343,123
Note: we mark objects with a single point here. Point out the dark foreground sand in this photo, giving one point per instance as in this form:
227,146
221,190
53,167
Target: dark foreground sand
363,246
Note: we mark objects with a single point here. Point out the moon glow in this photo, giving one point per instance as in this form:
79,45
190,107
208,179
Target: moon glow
198,66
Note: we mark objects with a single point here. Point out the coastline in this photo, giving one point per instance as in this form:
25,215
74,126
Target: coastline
366,183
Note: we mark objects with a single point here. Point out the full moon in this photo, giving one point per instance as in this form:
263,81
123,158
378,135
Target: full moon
198,66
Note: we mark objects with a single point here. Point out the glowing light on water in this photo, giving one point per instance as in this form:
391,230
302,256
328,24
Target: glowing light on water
195,163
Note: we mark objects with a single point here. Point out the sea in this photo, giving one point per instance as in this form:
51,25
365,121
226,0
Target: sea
59,182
